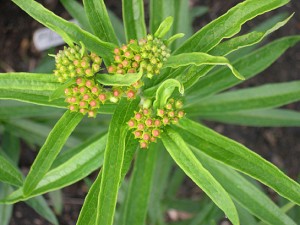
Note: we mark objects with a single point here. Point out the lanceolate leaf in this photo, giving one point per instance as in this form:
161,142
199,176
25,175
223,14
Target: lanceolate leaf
99,20
165,91
5,210
113,162
44,16
164,27
77,12
119,79
8,173
249,65
244,192
133,17
266,96
184,157
259,118
137,197
227,25
55,141
198,59
240,158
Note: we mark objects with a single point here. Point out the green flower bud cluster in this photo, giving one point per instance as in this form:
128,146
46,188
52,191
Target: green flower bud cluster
148,54
147,126
75,62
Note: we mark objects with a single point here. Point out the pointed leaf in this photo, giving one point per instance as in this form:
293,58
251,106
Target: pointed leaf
99,20
198,59
55,141
8,173
5,210
185,159
164,27
240,158
133,17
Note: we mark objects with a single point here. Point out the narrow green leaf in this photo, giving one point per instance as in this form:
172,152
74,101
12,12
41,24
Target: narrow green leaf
5,210
119,79
184,157
99,20
44,16
137,197
55,141
259,118
40,205
265,96
174,38
118,26
21,110
56,198
11,146
76,10
8,173
165,91
164,27
113,161
240,158
227,25
244,192
198,59
133,17
76,167
249,65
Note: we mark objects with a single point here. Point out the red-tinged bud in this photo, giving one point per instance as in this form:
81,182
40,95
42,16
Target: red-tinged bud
178,104
171,114
137,58
95,90
124,48
86,97
73,108
160,112
120,66
140,126
157,123
79,81
153,139
118,58
98,60
180,114
79,71
73,100
83,111
149,122
128,55
175,120
155,133
143,145
68,100
102,97
166,120
138,116
131,71
117,51
130,94
82,104
84,64
146,111
95,67
168,106
135,65
132,41
131,123
116,93
93,103
89,83
67,91
91,114
82,90
93,55
111,69
125,63
76,62
89,72
146,136
75,89
120,71
137,134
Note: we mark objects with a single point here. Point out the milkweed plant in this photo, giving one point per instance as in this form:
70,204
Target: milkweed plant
157,84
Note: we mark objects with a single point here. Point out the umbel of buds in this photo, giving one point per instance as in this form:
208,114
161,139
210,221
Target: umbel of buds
148,54
75,62
147,126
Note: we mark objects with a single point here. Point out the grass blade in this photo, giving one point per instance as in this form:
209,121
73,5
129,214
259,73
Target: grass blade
8,173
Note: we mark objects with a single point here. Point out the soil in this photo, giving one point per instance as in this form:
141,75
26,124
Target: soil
281,146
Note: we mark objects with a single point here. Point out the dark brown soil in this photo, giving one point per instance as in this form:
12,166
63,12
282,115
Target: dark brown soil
279,145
